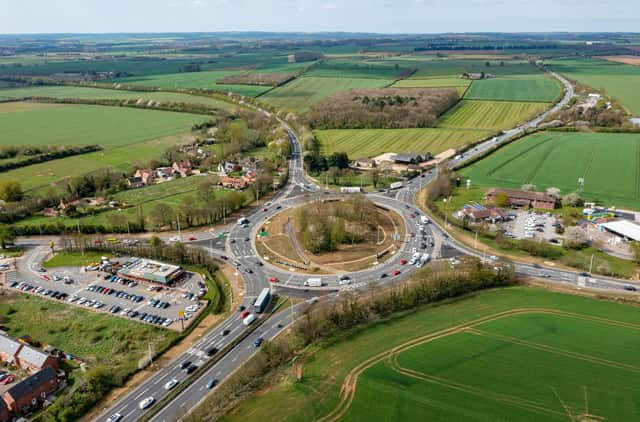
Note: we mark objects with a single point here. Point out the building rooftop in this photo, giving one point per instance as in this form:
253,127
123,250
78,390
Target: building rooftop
32,382
32,356
9,345
150,270
523,194
624,228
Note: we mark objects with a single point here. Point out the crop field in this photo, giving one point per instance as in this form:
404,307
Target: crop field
302,93
621,81
201,80
63,92
609,164
454,68
372,142
127,135
539,89
356,69
433,83
493,115
515,354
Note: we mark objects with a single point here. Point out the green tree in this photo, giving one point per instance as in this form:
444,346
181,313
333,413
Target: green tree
501,199
375,177
11,191
6,235
155,242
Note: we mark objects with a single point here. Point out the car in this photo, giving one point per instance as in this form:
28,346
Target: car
114,418
259,263
146,402
258,341
537,265
8,380
273,280
242,308
265,209
403,261
545,275
246,239
212,383
585,274
248,270
42,270
185,364
170,384
383,275
212,351
630,288
279,207
244,314
174,239
224,332
190,369
192,238
412,234
396,272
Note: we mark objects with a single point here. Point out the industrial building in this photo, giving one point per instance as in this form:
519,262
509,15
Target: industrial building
146,270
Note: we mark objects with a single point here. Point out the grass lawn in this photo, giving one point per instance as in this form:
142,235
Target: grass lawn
539,89
65,259
620,81
491,115
96,338
203,80
301,93
609,163
464,370
127,136
372,142
110,94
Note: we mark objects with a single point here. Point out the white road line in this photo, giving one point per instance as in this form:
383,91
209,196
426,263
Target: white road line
140,395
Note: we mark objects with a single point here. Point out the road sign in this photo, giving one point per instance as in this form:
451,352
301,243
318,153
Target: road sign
181,314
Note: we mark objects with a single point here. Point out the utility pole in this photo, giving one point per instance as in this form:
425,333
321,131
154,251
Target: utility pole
178,221
446,213
475,244
591,264
128,231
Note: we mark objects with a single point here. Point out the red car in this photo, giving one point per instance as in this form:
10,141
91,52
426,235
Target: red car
396,272
266,209
412,215
273,280
244,314
7,380
403,261
192,238
46,277
412,234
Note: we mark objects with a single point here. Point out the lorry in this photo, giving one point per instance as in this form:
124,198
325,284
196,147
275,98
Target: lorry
396,185
249,319
262,300
422,260
424,219
313,282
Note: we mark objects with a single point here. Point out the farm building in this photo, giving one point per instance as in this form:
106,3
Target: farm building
31,391
411,158
363,163
146,270
521,198
626,229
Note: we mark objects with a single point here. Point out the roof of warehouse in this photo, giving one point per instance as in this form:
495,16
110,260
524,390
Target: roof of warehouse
625,228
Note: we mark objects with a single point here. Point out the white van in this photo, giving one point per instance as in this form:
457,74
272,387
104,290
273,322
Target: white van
249,319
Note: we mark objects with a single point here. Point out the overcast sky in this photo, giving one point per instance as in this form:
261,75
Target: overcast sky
387,16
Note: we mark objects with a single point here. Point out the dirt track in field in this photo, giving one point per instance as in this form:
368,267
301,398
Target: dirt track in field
348,388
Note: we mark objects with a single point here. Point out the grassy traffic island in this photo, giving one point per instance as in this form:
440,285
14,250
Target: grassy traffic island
331,236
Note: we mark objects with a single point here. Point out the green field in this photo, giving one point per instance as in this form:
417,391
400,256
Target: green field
539,89
620,81
372,142
609,163
535,365
432,83
202,80
127,135
356,69
82,93
493,115
302,93
455,68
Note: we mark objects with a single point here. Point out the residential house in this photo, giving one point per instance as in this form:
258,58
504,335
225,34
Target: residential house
233,183
165,172
9,349
4,412
227,167
135,182
183,168
147,176
31,391
250,177
363,163
33,360
521,198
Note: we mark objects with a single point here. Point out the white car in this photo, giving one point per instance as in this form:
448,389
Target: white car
343,282
174,239
146,402
170,384
114,418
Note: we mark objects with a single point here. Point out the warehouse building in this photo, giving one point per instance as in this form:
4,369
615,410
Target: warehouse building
626,229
